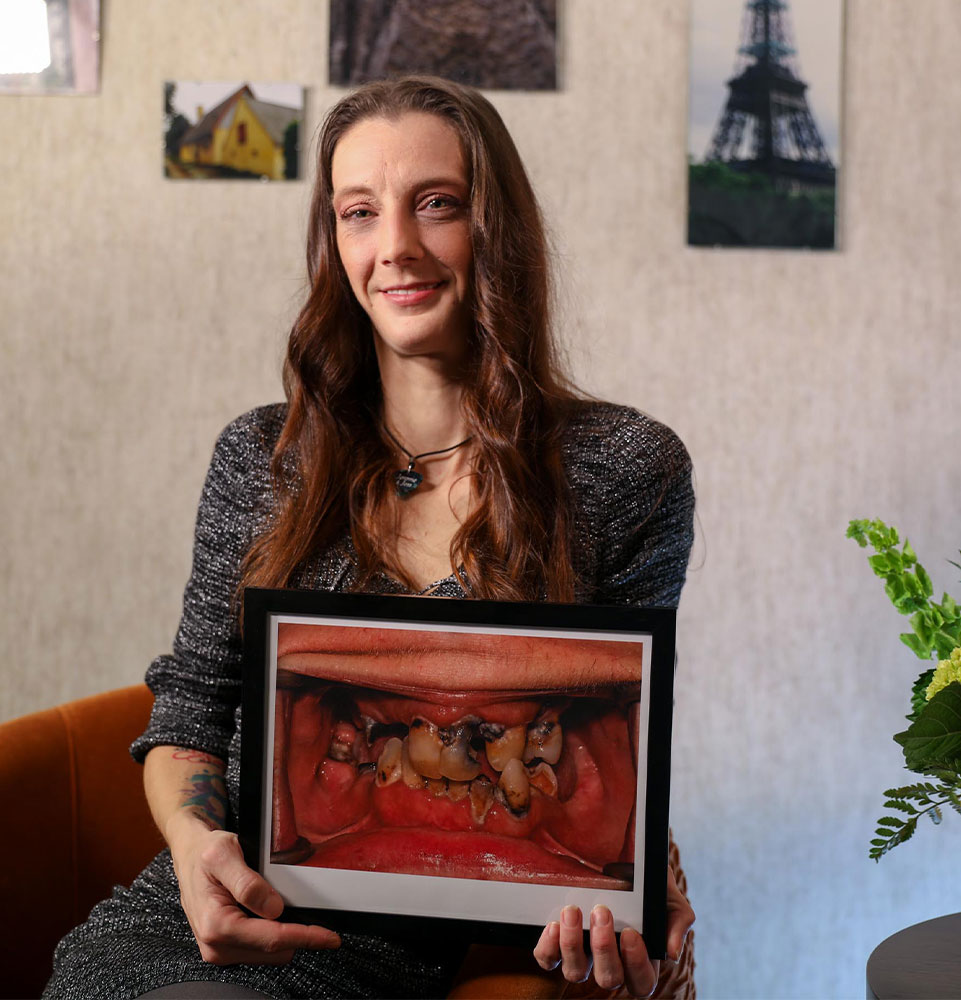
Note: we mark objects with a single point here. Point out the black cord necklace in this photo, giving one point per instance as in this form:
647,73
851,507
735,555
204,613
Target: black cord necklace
407,480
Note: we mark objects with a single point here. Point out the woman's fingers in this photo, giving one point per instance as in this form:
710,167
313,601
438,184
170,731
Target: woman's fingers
575,964
608,970
547,951
225,864
640,973
225,933
630,965
680,918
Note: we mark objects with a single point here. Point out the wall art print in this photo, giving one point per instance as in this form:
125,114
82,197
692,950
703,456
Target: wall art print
491,44
49,46
763,136
232,130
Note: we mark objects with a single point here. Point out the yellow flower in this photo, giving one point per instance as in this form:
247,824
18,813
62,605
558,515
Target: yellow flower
946,672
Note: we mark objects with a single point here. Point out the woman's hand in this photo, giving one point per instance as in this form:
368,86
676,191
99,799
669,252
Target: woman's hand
215,883
188,799
563,944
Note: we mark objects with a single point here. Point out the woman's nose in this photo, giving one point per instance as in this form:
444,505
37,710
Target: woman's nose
400,238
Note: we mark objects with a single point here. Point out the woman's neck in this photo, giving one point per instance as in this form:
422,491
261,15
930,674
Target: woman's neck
422,405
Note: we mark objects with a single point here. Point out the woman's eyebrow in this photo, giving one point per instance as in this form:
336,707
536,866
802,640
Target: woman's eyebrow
352,191
419,185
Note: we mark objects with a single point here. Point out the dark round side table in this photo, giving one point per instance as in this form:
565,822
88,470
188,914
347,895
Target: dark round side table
920,961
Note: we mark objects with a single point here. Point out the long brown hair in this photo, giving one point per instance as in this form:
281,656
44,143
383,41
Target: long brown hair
332,466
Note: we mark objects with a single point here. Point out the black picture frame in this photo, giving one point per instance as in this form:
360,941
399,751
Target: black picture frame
343,671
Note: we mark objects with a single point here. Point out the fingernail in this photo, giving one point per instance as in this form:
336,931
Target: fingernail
570,916
630,939
600,916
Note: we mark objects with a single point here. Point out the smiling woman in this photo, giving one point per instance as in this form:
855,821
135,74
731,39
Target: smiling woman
425,339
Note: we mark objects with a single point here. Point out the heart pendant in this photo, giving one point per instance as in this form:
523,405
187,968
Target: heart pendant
406,481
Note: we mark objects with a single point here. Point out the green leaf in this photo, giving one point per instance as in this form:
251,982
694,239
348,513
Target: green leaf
909,557
923,629
892,821
945,771
857,530
949,607
922,575
919,693
935,736
920,650
944,642
901,835
881,564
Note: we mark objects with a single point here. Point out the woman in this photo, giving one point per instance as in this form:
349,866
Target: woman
428,446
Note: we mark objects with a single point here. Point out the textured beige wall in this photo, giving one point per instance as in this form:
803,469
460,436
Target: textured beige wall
140,315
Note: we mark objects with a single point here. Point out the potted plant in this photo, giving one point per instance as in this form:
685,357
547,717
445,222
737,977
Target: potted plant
932,742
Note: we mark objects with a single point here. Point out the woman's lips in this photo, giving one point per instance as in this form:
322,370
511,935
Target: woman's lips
413,294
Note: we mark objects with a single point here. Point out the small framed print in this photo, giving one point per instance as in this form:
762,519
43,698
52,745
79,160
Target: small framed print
406,760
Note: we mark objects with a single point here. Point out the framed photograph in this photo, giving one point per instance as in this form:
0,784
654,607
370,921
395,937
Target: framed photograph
406,759
50,47
232,130
764,123
494,45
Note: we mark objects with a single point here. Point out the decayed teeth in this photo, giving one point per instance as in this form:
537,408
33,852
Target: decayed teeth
424,746
543,778
374,730
516,787
411,777
456,759
389,763
544,739
481,797
437,787
445,761
458,790
505,746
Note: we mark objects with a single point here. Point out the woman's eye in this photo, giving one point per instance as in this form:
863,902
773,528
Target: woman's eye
440,201
355,213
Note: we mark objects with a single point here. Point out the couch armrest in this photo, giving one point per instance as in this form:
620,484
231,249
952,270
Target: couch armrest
75,823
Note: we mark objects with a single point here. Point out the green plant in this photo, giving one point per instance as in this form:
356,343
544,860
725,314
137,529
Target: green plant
932,743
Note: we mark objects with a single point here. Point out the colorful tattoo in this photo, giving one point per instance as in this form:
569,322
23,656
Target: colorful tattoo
195,757
207,798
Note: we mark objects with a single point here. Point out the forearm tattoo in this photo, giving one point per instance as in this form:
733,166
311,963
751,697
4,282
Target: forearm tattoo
196,757
206,797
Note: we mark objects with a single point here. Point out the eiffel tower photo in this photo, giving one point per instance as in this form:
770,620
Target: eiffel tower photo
767,178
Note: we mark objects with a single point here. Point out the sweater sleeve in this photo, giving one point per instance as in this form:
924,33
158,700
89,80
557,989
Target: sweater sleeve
644,521
197,687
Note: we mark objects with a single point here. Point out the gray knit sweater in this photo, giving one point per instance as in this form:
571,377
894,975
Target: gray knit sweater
631,482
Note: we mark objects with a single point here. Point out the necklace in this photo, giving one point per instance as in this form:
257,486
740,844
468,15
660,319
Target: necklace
407,480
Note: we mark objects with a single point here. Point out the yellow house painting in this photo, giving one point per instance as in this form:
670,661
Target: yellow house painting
242,135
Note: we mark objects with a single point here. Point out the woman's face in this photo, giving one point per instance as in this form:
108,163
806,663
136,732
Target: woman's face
401,202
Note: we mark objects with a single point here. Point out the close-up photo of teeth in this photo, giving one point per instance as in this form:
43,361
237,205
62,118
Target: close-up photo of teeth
383,763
